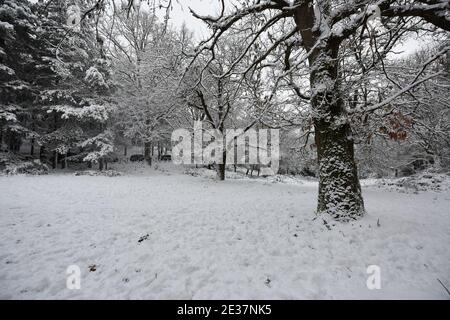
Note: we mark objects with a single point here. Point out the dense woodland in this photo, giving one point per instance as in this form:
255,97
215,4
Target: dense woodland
83,81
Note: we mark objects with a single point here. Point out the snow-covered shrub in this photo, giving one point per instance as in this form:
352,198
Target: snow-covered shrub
425,181
30,167
192,172
11,164
107,173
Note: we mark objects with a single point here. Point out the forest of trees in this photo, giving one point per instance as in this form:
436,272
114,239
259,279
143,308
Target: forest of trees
81,80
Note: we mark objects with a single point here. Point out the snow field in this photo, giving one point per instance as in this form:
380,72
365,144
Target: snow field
164,235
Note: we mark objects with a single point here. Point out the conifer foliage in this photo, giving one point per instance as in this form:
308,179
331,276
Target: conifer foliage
55,81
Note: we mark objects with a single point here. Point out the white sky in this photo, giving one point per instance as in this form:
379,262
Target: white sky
181,14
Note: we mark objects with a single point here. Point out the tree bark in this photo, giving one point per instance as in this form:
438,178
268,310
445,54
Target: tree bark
339,187
159,151
148,153
147,150
221,166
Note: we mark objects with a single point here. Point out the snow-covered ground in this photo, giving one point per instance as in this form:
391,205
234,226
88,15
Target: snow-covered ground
164,234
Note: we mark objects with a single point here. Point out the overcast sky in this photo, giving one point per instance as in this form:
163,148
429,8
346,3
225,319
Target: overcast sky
181,14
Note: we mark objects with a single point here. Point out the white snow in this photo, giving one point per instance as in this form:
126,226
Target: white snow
6,26
241,238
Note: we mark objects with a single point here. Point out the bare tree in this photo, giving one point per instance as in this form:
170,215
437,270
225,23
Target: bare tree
148,63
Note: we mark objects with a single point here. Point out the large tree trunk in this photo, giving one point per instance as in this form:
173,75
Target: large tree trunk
339,188
148,152
221,166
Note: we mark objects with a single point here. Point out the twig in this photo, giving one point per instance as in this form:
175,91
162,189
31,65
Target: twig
448,292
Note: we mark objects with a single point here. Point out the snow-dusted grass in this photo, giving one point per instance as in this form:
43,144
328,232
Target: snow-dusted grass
241,238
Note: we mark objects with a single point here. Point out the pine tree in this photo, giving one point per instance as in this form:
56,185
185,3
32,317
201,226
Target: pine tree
23,71
56,94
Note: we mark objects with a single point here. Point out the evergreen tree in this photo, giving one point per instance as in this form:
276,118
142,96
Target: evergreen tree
57,92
